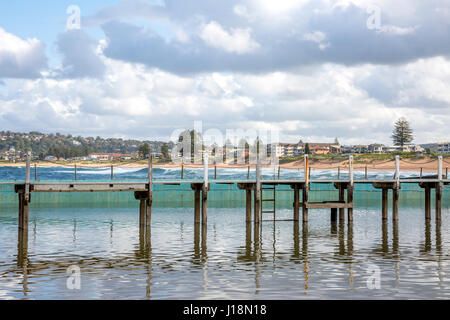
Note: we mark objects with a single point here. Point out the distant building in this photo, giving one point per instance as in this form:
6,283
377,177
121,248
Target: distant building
376,148
380,148
440,147
109,156
298,149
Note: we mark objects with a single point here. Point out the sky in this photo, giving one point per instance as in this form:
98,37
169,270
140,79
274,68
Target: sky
310,69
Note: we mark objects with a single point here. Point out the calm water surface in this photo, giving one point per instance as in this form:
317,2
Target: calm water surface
228,260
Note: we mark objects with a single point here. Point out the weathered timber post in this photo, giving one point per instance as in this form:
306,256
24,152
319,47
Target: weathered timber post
384,204
27,177
112,172
35,172
75,172
438,201
333,214
421,173
427,202
215,171
142,212
248,172
248,204
366,173
439,186
341,199
279,172
339,172
446,173
395,190
149,201
296,202
257,189
24,200
205,190
395,197
182,171
350,189
248,200
142,196
197,189
305,191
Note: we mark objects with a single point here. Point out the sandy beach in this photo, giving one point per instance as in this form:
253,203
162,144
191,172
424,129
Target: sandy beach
427,165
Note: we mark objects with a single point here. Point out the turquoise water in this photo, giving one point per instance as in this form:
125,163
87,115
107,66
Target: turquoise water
99,234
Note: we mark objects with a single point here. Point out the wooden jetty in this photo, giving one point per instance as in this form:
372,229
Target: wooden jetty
143,192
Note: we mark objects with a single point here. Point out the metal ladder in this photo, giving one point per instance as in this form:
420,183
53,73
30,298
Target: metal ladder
268,187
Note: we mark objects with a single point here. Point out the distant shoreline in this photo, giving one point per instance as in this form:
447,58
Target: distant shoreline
427,164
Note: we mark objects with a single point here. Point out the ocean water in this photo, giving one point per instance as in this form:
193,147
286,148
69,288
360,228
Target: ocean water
98,235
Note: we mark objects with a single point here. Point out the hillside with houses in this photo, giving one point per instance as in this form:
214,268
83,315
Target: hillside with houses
53,147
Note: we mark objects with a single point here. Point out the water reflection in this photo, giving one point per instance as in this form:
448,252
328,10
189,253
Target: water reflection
144,254
257,255
303,252
296,250
305,257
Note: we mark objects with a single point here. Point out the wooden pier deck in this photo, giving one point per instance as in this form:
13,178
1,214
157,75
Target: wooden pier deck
143,191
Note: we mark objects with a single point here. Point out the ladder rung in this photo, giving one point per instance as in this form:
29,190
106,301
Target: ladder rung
268,200
267,211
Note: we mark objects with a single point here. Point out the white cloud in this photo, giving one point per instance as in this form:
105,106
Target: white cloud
237,41
400,31
317,37
319,104
279,6
21,58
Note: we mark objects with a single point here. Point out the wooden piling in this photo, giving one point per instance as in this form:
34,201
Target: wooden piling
112,172
182,171
142,207
438,200
279,172
427,202
395,196
27,178
197,205
439,186
339,172
248,172
304,202
341,199
205,190
384,204
215,172
366,173
76,173
248,204
333,214
35,172
149,201
257,210
350,189
421,173
296,203
350,200
23,211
